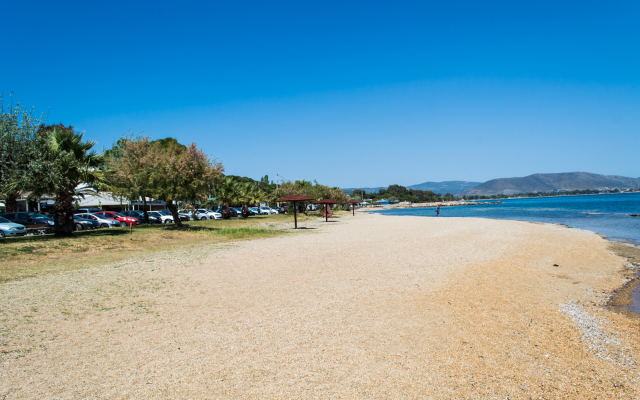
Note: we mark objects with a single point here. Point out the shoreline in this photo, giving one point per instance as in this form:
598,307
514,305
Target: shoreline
621,298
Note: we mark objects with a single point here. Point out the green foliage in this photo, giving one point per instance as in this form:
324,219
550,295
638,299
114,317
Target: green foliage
315,190
400,193
20,147
67,167
178,173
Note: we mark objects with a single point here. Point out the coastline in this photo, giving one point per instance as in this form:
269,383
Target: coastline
362,307
621,298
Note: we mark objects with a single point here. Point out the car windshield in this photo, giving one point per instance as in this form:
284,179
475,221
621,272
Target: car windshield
4,221
164,212
117,214
38,216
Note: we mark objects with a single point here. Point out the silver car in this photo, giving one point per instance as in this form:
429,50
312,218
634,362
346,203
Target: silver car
104,222
8,228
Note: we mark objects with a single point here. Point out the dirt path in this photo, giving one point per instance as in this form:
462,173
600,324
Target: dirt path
365,307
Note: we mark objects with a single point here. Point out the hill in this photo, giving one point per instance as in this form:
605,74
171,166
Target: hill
366,190
436,187
452,187
543,183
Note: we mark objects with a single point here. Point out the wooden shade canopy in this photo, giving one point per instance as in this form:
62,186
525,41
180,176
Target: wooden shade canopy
326,202
294,198
353,207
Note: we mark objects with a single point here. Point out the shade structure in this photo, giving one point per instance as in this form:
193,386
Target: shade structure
353,207
294,198
326,202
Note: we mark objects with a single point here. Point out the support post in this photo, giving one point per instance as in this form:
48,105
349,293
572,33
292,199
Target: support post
353,208
326,213
295,215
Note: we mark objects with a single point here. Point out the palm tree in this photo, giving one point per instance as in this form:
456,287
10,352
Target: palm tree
75,170
227,194
249,194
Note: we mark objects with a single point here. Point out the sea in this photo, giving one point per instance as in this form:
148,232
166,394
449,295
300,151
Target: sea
606,214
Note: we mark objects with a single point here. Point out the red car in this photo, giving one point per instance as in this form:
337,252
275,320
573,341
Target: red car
124,221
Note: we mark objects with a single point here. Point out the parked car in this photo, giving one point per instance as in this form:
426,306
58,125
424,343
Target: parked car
258,211
267,210
87,210
252,211
204,213
232,212
139,215
238,210
101,219
8,228
83,224
124,221
185,215
34,223
43,218
164,218
192,214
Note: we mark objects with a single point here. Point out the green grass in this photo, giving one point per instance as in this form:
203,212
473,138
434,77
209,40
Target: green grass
35,255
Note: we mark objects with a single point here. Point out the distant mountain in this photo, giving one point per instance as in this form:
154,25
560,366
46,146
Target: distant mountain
542,183
366,190
452,187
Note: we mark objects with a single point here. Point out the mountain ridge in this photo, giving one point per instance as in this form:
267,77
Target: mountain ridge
564,181
436,187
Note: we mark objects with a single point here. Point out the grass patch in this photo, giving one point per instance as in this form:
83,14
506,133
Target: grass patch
35,255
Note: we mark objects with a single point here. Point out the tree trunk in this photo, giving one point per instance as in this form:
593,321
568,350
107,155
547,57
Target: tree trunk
146,213
225,211
11,203
63,213
174,211
245,210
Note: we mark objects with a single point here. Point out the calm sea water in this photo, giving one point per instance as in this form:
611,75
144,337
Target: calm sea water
607,214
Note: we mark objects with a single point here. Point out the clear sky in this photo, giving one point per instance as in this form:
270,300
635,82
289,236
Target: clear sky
352,94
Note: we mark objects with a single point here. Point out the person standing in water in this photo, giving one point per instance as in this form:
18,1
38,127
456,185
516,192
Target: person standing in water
437,211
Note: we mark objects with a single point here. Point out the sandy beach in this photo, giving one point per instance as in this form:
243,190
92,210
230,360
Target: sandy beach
369,306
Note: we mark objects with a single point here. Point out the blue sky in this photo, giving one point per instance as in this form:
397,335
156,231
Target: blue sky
358,94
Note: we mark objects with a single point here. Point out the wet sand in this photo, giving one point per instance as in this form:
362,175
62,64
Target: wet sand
363,307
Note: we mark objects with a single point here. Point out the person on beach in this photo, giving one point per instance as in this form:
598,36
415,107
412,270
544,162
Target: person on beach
437,211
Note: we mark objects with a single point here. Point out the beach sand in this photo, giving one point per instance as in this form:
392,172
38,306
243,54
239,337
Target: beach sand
368,306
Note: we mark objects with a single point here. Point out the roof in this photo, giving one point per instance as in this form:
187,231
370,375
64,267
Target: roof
325,201
295,197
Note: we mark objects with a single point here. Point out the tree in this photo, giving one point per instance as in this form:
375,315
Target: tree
130,178
67,168
178,173
228,193
20,145
249,194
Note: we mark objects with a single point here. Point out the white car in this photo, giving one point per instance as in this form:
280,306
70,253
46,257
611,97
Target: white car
259,212
266,210
185,214
102,220
204,213
164,218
